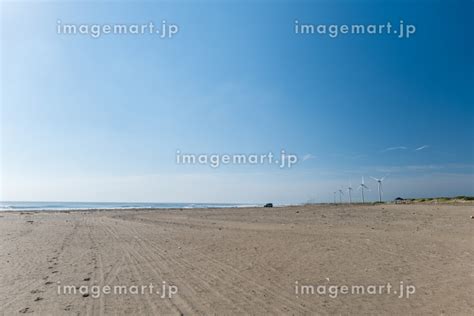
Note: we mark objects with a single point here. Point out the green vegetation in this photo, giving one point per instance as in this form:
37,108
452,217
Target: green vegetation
466,198
442,199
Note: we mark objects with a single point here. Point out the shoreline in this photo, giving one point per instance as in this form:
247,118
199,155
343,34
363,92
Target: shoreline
253,206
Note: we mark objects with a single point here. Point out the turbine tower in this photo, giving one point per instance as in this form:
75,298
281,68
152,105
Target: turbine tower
334,197
379,184
362,186
350,193
341,193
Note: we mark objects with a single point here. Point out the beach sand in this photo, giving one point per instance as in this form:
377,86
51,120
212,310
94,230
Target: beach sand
240,260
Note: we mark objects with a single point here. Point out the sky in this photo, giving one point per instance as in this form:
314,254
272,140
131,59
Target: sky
101,119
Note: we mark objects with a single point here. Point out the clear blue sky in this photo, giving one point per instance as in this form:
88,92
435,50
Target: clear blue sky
86,119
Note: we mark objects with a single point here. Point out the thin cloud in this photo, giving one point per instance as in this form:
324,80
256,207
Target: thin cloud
308,157
426,168
394,148
422,147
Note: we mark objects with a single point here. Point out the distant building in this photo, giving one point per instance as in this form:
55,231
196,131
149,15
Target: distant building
399,200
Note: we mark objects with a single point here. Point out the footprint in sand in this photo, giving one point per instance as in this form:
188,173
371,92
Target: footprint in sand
38,299
36,291
48,283
87,279
26,310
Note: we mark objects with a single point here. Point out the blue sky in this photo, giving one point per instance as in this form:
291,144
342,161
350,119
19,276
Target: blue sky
86,119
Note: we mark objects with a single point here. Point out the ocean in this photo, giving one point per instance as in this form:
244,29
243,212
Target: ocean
65,206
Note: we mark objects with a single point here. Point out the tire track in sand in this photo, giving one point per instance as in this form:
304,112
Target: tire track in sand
223,274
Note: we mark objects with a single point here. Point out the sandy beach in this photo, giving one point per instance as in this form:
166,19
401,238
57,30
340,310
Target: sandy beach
239,260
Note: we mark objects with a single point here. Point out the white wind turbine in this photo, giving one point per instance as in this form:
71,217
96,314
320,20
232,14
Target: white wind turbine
334,197
362,186
350,193
379,185
341,193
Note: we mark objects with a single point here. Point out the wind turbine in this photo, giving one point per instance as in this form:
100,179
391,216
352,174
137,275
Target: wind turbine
350,191
362,186
379,184
341,193
334,197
